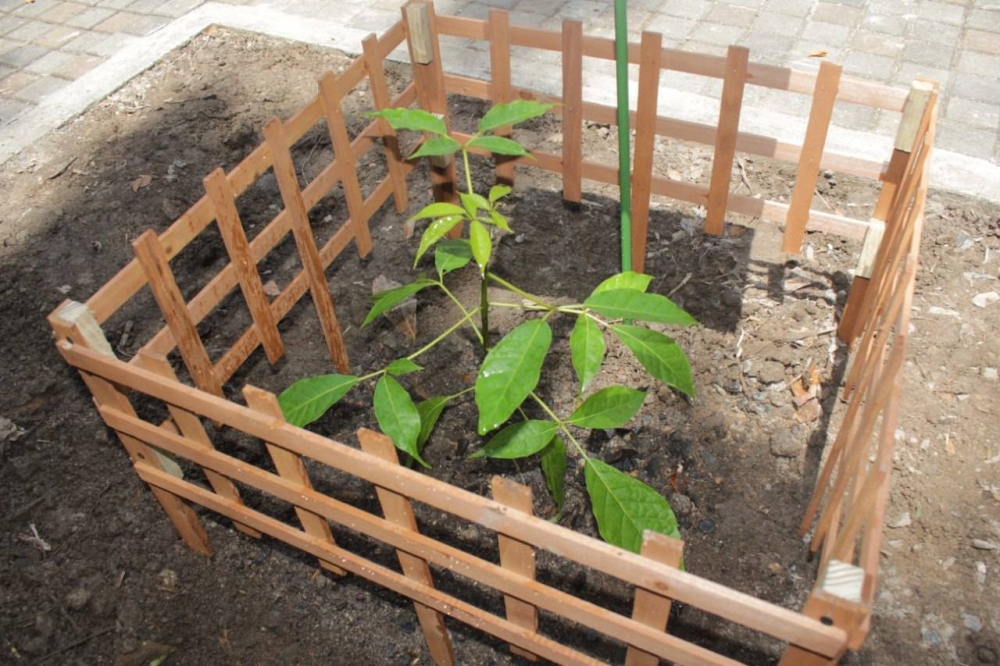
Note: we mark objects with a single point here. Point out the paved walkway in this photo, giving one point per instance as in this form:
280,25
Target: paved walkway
48,45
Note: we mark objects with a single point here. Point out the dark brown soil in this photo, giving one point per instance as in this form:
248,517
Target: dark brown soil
738,463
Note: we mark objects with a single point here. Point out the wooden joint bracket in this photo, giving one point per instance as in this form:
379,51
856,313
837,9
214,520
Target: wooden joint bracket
418,26
869,251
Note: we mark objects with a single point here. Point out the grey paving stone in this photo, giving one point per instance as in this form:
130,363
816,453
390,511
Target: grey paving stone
966,139
854,116
979,40
63,12
99,43
938,33
774,23
57,36
40,89
890,7
91,17
877,43
805,55
689,9
9,45
119,22
16,81
727,15
976,87
942,12
713,33
984,19
68,66
933,55
770,49
780,101
827,34
379,20
9,24
543,7
23,55
749,4
115,4
10,5
892,25
30,31
799,8
870,66
980,63
177,8
829,12
671,27
144,6
909,71
887,123
708,49
36,8
579,10
10,109
974,114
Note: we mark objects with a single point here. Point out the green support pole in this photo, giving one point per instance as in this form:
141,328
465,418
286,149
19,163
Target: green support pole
624,156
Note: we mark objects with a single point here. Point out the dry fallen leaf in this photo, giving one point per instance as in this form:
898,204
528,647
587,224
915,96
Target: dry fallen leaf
140,182
817,54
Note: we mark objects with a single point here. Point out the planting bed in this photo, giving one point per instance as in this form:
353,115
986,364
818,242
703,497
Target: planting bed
745,483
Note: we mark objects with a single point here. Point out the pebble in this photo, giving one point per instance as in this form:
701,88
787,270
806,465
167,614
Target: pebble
973,623
771,372
77,598
904,520
785,445
982,544
706,526
990,374
681,504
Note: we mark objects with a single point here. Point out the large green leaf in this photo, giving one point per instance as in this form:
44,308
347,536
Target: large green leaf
499,145
518,440
510,372
402,366
386,300
498,192
662,357
512,113
397,416
438,209
626,280
632,304
436,145
611,407
417,120
308,399
586,345
451,255
429,411
626,507
482,245
554,467
434,232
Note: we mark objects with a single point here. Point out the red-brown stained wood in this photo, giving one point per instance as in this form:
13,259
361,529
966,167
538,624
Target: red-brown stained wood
381,99
228,219
572,110
397,509
517,556
312,265
168,296
498,29
645,142
652,609
725,138
820,115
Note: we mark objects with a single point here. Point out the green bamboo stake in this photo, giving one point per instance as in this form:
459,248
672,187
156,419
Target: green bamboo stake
624,157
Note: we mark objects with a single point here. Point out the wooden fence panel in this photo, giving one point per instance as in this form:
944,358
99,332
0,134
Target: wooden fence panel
500,90
517,556
725,138
645,144
650,608
381,99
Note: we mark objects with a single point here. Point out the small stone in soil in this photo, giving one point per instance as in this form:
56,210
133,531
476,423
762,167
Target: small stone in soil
77,598
681,504
771,372
706,526
785,445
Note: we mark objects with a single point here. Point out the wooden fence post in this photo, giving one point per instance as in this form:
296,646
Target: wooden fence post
518,557
725,138
651,609
76,323
381,99
572,112
397,509
650,55
498,29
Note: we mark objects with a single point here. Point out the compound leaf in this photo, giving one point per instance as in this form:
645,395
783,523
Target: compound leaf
451,255
417,120
397,416
436,145
625,507
512,113
429,411
308,399
554,467
518,440
632,304
435,231
626,280
611,407
586,345
402,366
662,357
510,372
481,243
499,145
386,300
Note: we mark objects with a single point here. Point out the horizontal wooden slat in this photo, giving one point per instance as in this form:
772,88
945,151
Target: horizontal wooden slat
712,597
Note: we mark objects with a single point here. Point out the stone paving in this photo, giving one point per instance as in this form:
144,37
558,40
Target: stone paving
46,44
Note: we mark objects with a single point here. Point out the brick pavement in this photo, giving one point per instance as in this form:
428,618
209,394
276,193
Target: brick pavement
46,44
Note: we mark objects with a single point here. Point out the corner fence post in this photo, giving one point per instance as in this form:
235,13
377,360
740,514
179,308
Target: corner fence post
428,77
651,609
75,323
835,602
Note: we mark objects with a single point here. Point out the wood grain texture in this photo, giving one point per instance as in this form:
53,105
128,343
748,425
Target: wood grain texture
572,110
725,138
645,143
517,556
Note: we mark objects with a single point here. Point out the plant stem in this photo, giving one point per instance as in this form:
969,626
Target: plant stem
519,292
561,424
461,307
484,312
460,393
468,172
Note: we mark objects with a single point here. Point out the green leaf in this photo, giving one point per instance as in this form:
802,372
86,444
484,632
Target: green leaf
386,300
429,411
626,507
586,345
473,202
632,304
498,145
436,145
510,372
402,366
662,357
397,416
308,399
518,440
499,220
626,280
482,245
438,209
435,231
554,468
412,119
611,407
451,255
498,192
512,113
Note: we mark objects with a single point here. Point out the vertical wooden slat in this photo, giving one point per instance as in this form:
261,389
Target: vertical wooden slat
75,322
228,219
498,30
331,95
725,138
381,99
824,96
428,77
312,265
651,609
518,557
397,509
161,281
189,425
572,111
645,140
290,466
